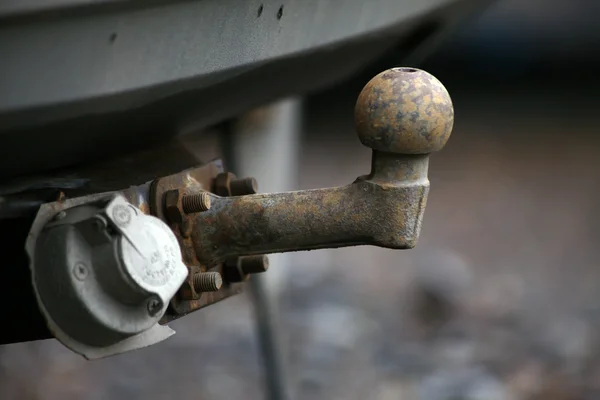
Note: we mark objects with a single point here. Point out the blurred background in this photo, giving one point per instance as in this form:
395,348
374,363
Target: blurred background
500,299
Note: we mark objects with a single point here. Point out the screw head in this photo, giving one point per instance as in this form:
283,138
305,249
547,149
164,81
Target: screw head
80,271
154,305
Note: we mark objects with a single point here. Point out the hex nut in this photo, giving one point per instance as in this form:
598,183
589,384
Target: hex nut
171,203
187,292
222,184
232,271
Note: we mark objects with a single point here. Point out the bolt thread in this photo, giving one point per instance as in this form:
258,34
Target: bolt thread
254,264
207,282
195,202
240,187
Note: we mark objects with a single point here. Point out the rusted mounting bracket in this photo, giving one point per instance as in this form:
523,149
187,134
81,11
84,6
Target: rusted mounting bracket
177,199
165,200
403,114
223,226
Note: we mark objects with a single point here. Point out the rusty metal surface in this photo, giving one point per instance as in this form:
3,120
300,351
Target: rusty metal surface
381,213
166,197
404,110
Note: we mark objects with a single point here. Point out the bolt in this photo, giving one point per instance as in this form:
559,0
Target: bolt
240,187
60,215
193,203
154,305
207,281
80,271
254,264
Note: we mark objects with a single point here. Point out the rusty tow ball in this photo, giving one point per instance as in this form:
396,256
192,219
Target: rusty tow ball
402,114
